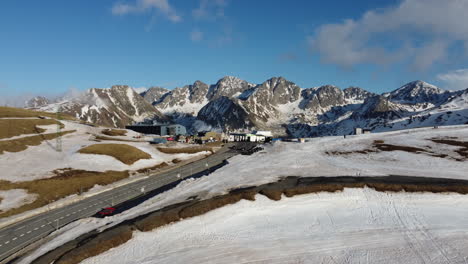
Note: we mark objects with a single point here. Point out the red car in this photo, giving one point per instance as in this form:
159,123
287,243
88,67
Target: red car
108,211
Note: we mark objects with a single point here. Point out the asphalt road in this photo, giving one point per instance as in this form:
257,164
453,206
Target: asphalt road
15,237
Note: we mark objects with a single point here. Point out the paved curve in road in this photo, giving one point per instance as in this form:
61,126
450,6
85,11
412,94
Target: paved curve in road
15,237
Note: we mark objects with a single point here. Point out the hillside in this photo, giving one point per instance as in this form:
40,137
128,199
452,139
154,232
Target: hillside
49,159
275,224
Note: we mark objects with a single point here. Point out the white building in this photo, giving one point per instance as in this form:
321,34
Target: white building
357,131
263,133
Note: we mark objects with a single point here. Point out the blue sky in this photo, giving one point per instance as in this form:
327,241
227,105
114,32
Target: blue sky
50,46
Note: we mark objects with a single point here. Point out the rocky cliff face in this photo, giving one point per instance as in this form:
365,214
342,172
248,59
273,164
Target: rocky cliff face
155,95
228,86
356,95
226,114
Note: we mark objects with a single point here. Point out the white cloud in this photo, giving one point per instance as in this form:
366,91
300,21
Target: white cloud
140,6
209,9
419,25
139,90
196,35
457,79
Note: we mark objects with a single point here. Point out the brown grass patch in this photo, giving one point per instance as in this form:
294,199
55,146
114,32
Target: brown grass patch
99,244
125,153
202,207
20,112
463,151
99,138
160,218
20,144
379,145
272,194
214,144
66,182
155,167
390,147
114,132
16,127
187,150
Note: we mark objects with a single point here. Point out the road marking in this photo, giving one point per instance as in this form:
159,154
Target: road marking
61,217
14,239
21,235
36,228
68,215
42,225
7,242
28,232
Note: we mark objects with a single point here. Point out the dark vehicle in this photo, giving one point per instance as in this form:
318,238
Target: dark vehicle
108,211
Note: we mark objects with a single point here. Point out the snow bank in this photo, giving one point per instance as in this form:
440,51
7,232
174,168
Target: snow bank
15,198
349,227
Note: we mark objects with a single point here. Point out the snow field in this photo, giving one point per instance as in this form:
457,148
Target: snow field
346,227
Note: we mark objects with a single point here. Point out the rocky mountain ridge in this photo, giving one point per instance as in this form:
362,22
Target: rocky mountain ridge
276,104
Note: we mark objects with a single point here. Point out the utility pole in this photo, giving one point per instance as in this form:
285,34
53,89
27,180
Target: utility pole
58,140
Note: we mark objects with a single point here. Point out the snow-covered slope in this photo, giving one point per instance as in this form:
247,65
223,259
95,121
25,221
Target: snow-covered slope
349,225
353,226
418,92
117,106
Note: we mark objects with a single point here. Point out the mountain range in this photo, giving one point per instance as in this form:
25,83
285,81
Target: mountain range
276,104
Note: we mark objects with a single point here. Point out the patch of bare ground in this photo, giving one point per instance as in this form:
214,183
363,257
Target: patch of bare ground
16,127
8,112
114,132
463,145
97,245
20,144
123,152
153,168
65,183
99,138
380,145
80,249
187,150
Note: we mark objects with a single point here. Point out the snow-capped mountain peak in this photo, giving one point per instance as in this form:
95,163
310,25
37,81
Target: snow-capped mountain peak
418,92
